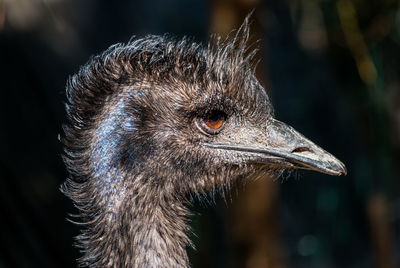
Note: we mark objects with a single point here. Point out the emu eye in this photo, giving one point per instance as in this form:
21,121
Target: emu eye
212,123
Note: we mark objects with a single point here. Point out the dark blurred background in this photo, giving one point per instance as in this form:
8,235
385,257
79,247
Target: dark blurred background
331,68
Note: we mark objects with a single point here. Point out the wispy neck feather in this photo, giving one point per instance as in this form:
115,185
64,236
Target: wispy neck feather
132,221
147,230
136,224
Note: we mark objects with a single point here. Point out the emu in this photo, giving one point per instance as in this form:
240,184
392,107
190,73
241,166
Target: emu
158,121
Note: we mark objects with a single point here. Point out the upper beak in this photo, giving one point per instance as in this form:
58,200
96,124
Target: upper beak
284,147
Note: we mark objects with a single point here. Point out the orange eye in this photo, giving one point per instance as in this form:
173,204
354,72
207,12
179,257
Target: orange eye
212,123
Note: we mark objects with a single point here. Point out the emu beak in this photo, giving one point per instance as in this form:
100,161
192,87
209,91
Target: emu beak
284,147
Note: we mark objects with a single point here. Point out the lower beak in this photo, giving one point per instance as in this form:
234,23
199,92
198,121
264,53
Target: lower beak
286,148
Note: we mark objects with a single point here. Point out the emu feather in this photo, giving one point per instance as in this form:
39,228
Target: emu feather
139,142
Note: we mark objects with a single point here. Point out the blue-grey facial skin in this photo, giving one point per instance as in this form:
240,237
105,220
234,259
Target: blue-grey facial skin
138,148
105,157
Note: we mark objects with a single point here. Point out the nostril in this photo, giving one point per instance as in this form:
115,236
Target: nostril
301,149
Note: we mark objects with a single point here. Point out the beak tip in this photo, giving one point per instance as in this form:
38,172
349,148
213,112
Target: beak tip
341,169
344,171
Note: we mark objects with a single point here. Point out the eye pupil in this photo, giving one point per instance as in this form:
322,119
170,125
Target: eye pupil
211,123
215,120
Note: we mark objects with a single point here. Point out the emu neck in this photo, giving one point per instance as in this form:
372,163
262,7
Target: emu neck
147,230
142,224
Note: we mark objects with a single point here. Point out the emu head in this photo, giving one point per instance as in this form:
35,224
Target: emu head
187,117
